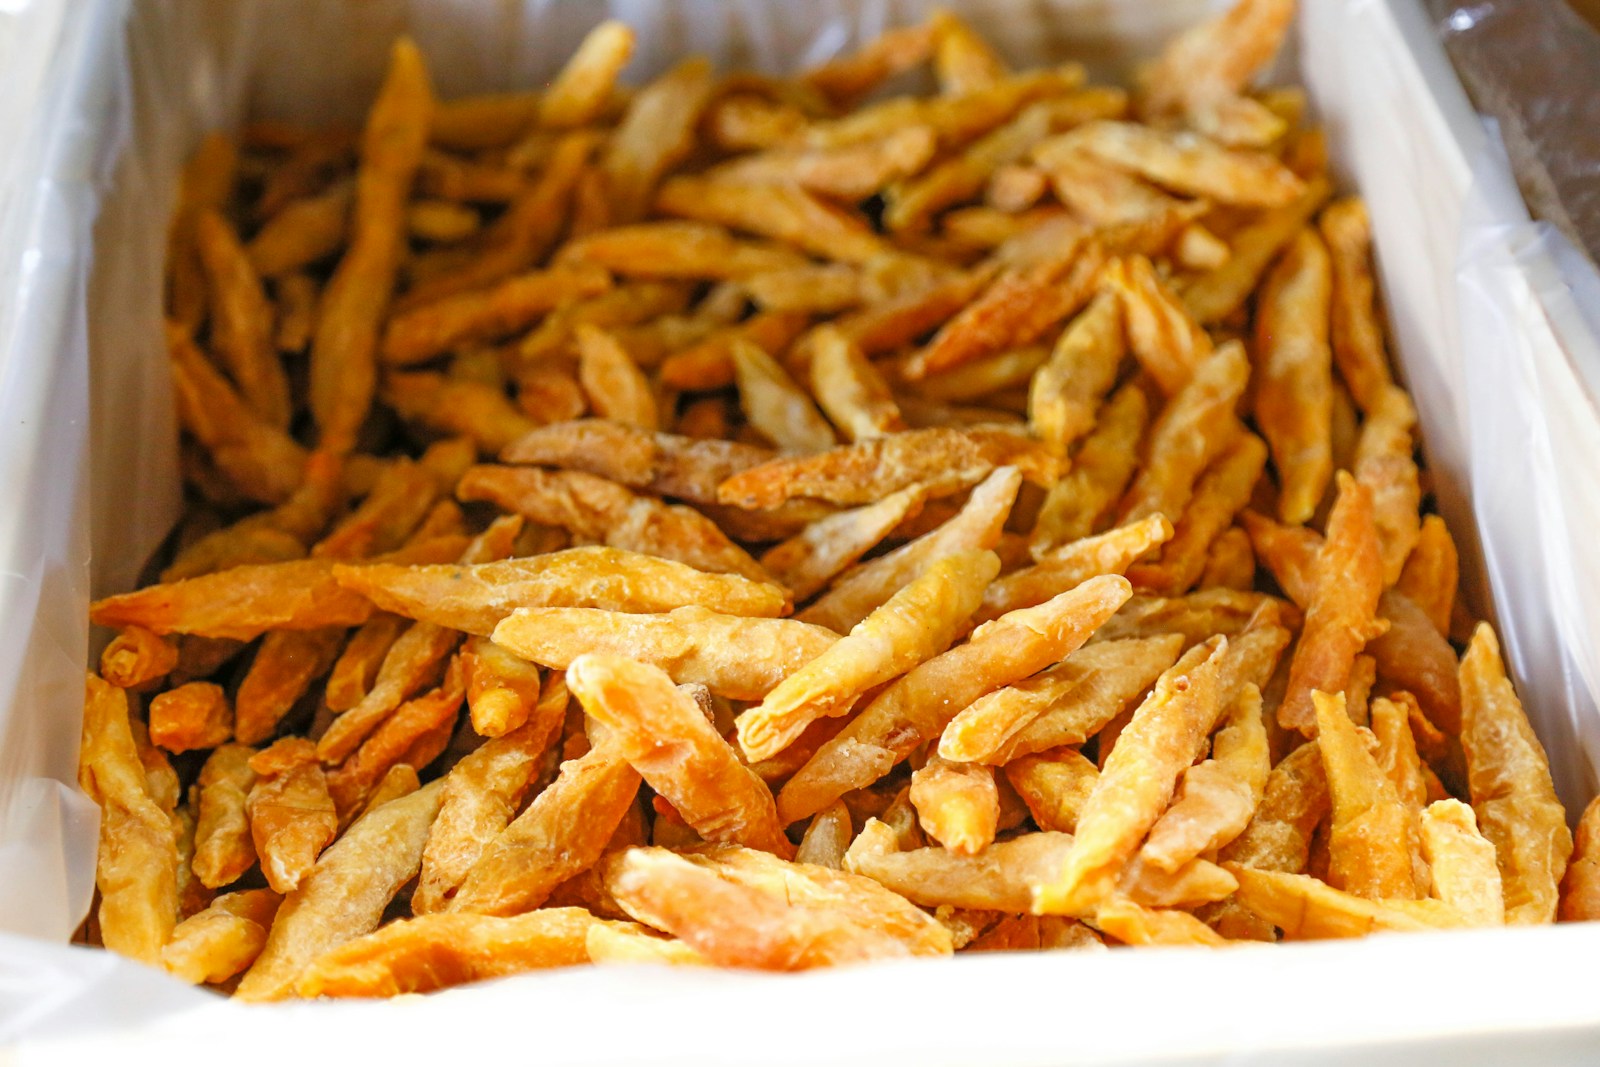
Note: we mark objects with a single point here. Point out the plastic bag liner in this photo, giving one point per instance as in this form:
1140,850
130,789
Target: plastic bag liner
1528,62
99,111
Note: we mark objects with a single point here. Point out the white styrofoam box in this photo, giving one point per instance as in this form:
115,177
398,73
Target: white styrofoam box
1490,337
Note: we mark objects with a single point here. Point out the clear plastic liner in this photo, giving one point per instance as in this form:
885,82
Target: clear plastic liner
100,105
1532,374
1535,65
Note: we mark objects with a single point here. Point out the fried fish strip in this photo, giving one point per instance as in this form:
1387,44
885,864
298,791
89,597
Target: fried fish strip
1065,393
1509,778
660,463
1294,391
215,944
258,458
957,804
223,849
1219,796
977,526
1191,164
604,511
1137,780
918,622
809,560
1075,506
480,796
346,893
242,602
920,704
656,132
241,320
1462,862
850,389
661,731
1065,567
1580,888
137,868
997,879
1191,431
1372,832
1341,616
1305,908
736,657
1167,342
785,918
941,460
291,815
561,834
344,348
423,332
432,952
474,599
1356,333
1065,705
580,91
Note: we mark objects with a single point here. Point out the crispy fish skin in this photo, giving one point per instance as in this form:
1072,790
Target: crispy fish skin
241,603
137,869
1137,780
663,733
746,909
1509,779
561,834
1294,386
344,349
824,549
918,622
919,705
739,658
223,849
432,952
217,943
856,593
1341,615
662,463
941,460
1372,831
345,895
476,598
601,510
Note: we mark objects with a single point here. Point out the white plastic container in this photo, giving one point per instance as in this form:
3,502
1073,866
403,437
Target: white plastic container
100,104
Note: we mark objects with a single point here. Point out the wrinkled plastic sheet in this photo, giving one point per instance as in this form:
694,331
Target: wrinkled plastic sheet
1535,66
1488,313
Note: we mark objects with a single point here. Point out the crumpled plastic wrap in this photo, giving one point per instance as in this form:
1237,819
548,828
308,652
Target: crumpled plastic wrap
1535,66
99,107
